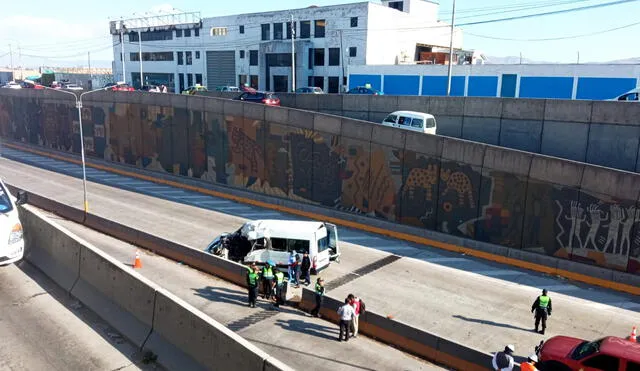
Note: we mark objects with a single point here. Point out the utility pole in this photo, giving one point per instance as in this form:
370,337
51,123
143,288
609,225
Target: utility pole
578,56
520,57
20,61
13,77
90,85
342,53
124,74
293,55
140,57
453,20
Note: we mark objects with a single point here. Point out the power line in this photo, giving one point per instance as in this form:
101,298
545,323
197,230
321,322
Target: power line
556,38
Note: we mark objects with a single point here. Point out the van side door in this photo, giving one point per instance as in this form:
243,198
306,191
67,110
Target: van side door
334,247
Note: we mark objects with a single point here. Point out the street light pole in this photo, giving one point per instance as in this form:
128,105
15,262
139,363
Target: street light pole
140,57
453,20
293,55
124,74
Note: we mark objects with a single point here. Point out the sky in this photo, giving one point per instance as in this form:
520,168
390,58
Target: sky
44,33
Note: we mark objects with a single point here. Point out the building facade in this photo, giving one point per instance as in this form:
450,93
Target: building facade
256,49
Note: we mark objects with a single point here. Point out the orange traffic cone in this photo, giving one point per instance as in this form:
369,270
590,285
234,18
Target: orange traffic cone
137,263
632,337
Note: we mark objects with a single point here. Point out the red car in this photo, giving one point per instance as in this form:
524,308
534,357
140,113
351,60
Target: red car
119,87
267,98
27,84
611,353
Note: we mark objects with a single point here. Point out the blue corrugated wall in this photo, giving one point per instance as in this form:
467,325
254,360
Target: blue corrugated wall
603,87
437,85
482,86
401,84
546,87
362,80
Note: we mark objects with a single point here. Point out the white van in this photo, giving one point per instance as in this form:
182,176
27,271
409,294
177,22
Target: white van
11,241
630,96
261,241
410,120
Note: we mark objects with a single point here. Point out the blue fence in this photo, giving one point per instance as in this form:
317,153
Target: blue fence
551,87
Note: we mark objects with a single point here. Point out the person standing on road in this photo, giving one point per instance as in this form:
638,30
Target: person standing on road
542,307
292,266
253,277
346,316
357,309
297,268
530,364
267,280
503,361
280,286
319,297
306,268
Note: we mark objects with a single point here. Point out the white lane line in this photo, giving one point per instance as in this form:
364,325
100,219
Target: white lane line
560,288
444,260
359,238
498,273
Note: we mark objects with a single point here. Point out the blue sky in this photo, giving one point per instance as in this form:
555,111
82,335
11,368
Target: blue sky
69,29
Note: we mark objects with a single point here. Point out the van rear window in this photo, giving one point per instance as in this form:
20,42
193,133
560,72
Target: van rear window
283,244
431,123
417,123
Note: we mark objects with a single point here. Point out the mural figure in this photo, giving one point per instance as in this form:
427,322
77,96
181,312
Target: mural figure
617,213
628,223
597,217
422,178
460,183
577,217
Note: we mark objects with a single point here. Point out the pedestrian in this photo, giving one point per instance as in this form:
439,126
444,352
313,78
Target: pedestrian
292,266
346,316
530,364
542,308
253,277
280,286
297,268
320,290
503,361
267,280
306,268
358,308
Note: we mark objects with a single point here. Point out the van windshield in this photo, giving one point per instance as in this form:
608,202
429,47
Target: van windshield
391,119
5,200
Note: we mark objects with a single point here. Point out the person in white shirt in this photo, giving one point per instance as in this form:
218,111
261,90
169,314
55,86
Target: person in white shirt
503,361
346,313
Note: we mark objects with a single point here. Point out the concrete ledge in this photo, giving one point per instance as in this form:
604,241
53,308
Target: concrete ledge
354,102
301,119
307,102
214,105
611,182
357,129
449,106
471,153
427,144
621,113
383,103
327,124
356,115
279,115
234,108
253,111
331,102
523,109
388,136
566,110
557,171
514,162
482,107
414,103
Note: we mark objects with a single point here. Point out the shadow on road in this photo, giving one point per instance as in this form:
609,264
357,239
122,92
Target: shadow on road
490,323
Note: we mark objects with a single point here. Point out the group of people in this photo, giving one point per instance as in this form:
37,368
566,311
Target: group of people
274,287
298,267
158,89
349,317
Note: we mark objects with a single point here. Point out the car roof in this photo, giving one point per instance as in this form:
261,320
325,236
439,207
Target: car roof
621,348
283,228
412,113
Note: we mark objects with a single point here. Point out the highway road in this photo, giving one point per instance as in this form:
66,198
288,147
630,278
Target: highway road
42,328
472,301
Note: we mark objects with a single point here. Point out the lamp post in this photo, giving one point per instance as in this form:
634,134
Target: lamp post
453,20
78,99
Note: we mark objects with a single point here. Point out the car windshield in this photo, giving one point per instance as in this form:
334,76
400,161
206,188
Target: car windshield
586,349
391,119
5,201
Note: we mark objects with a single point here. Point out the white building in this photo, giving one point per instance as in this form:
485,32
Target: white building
256,48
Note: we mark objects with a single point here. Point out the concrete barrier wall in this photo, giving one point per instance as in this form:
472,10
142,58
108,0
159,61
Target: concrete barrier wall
597,132
174,323
152,318
468,190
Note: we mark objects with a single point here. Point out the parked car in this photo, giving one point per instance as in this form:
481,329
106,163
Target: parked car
309,90
12,85
267,98
630,96
410,120
364,90
192,90
28,84
120,87
228,88
563,353
72,87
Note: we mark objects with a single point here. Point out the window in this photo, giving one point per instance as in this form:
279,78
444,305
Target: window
310,58
354,21
242,79
241,29
152,57
602,362
417,123
253,81
353,51
285,244
318,57
323,244
277,31
334,56
291,31
586,349
310,81
319,28
632,366
190,79
188,57
318,81
180,58
187,33
253,57
196,32
178,33
241,54
199,78
334,85
181,80
197,54
398,5
218,31
305,29
344,80
431,123
391,119
152,36
405,121
265,31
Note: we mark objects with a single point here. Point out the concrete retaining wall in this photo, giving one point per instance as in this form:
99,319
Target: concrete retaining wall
152,318
596,132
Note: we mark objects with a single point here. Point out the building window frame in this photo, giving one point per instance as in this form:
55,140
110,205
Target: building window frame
265,31
353,51
253,57
180,58
188,57
241,54
278,33
318,57
319,28
354,22
334,56
305,29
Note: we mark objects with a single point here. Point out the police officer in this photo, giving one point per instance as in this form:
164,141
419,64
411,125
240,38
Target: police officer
253,277
267,280
319,297
280,287
542,307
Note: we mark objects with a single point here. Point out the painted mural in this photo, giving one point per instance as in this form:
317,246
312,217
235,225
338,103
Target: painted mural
343,173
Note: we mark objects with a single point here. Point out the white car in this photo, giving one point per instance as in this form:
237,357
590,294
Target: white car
410,120
630,96
11,236
72,87
12,85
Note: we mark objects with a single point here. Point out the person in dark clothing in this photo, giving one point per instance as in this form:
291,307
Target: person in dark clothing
297,269
542,308
319,297
253,278
306,269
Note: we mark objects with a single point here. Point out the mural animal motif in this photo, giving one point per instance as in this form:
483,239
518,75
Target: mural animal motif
617,213
632,214
241,143
421,178
460,183
597,217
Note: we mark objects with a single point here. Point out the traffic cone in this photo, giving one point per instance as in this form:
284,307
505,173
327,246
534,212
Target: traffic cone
632,337
137,263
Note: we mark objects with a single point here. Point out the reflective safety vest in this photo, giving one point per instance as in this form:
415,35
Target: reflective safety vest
279,277
526,366
267,272
543,301
253,278
319,289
